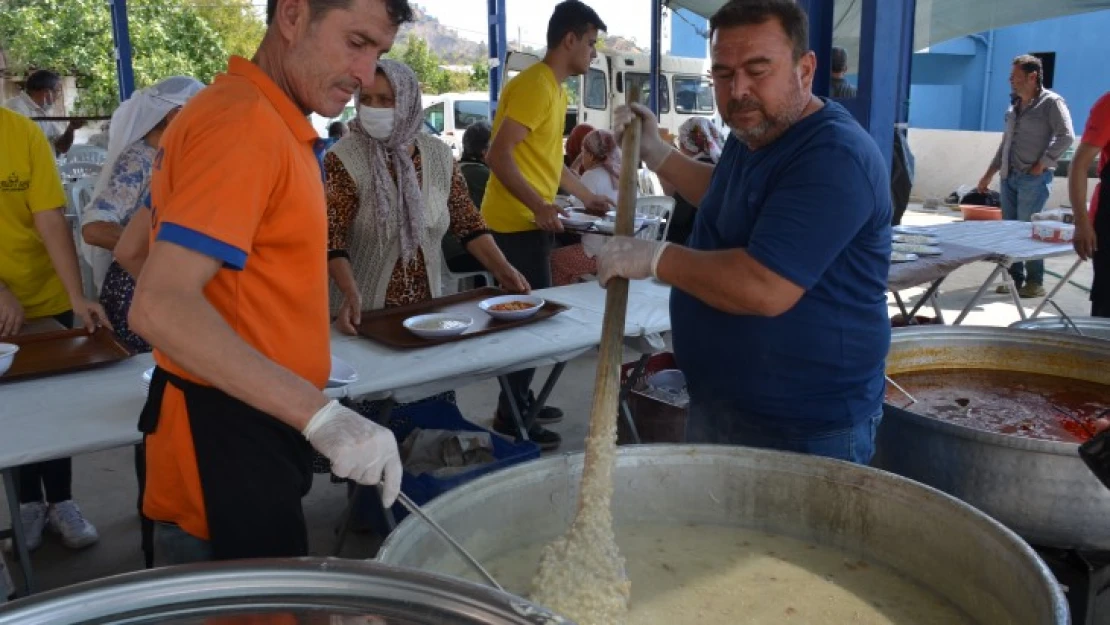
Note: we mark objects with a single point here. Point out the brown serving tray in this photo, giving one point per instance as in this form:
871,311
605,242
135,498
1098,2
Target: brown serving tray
63,351
385,326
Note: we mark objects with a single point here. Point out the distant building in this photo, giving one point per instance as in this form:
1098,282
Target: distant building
963,84
687,34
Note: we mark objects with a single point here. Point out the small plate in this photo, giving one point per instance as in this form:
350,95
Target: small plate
438,325
915,239
341,374
577,219
511,315
902,257
920,250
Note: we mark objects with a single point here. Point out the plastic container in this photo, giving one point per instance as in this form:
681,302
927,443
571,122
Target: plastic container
980,213
1053,231
439,415
659,415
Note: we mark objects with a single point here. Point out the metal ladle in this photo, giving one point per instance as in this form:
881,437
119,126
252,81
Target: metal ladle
411,506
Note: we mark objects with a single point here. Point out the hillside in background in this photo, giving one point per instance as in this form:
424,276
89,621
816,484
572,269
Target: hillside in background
453,49
443,41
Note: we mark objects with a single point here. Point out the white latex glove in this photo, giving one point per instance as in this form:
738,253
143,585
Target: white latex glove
358,448
627,257
653,149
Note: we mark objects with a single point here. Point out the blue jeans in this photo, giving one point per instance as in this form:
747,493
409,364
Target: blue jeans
176,546
1024,195
723,423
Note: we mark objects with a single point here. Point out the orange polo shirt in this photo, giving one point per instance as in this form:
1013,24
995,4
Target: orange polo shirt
237,179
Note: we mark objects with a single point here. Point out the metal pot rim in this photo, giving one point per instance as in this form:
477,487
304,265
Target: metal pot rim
231,584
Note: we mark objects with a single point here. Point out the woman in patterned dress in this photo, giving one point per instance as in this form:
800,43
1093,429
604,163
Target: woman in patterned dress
137,126
393,192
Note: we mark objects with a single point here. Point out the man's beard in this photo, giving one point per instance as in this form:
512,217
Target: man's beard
773,125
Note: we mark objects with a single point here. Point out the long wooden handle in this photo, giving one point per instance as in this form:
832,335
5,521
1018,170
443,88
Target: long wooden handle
603,413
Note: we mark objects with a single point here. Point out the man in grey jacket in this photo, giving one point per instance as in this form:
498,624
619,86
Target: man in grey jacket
1038,132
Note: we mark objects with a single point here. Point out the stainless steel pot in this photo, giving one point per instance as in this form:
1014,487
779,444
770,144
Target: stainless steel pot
929,537
330,592
1040,489
1090,327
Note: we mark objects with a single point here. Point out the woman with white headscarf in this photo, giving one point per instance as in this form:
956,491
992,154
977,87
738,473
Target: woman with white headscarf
393,192
136,127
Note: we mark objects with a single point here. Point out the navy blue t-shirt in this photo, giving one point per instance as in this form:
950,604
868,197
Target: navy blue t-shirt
814,207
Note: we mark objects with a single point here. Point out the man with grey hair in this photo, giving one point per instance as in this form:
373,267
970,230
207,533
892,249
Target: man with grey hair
40,93
1038,132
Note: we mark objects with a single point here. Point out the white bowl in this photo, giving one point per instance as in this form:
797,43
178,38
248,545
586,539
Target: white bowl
438,325
577,219
7,356
509,315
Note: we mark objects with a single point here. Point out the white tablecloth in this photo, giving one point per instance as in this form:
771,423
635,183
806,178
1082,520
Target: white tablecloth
1004,242
72,414
648,304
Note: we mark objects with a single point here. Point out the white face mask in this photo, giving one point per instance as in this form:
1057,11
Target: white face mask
378,123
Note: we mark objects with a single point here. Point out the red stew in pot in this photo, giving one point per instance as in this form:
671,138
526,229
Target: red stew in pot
1005,402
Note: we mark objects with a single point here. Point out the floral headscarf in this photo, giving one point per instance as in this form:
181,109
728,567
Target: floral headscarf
701,138
602,146
574,145
407,119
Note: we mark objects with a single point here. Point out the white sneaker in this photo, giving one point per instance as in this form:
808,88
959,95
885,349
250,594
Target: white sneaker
66,519
33,516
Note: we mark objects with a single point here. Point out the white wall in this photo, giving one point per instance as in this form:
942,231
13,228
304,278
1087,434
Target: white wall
946,159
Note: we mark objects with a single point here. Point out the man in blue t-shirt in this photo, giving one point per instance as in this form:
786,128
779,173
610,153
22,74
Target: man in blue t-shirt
779,306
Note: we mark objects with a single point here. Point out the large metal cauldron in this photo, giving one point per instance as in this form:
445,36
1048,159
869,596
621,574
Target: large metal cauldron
306,591
1040,489
934,539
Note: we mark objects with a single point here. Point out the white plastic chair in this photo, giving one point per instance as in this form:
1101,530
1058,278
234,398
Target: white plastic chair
94,261
86,154
660,208
451,283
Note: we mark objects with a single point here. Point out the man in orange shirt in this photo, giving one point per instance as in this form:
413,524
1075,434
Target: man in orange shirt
233,295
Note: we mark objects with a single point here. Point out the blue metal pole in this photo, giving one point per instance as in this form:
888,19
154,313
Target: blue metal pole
498,46
122,37
820,41
656,44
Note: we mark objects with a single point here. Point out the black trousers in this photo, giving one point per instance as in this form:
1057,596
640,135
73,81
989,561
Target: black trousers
53,476
1100,287
530,253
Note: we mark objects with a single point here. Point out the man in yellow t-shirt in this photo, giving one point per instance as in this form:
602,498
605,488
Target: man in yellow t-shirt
39,278
526,164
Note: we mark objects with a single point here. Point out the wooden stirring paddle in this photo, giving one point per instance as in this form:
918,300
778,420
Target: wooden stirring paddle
582,575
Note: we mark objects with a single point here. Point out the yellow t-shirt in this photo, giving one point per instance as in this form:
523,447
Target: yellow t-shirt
29,183
536,100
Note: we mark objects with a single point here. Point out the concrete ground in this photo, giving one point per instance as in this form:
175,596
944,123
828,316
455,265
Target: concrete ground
104,483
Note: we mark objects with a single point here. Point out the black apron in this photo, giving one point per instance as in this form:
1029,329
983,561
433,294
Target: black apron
1100,286
253,469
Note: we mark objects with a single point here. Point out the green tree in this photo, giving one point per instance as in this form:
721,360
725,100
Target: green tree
479,78
168,37
236,22
424,63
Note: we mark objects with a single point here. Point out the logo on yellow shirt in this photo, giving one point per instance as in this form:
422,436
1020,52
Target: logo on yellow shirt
14,184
